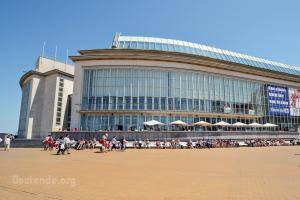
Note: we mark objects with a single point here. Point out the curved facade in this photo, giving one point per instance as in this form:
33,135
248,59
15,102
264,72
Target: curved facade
45,98
24,109
141,79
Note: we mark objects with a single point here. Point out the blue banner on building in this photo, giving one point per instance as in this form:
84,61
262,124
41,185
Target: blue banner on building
278,100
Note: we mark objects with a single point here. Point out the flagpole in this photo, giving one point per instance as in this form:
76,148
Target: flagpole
55,56
43,51
67,56
66,59
55,52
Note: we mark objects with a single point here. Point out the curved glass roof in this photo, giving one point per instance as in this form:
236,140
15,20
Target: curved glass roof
161,44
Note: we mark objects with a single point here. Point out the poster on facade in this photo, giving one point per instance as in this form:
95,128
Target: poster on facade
278,100
251,112
227,110
294,96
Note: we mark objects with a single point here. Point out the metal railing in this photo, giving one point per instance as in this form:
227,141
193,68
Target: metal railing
183,135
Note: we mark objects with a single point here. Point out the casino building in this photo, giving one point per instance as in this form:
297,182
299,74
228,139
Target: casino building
143,78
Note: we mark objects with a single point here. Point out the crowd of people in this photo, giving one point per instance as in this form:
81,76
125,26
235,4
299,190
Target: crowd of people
210,143
64,144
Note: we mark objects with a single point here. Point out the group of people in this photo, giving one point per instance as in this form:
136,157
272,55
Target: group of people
210,143
173,144
114,144
271,142
85,144
63,144
6,141
177,144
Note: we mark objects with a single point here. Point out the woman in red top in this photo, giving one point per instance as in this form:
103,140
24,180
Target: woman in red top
102,142
50,143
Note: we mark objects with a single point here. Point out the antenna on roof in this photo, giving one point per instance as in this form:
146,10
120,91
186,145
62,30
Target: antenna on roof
55,53
67,56
66,60
43,54
55,56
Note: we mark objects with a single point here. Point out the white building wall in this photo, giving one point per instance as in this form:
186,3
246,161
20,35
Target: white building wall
41,115
36,105
76,98
48,104
23,126
44,65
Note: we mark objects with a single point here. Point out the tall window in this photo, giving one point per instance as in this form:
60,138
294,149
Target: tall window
59,101
24,108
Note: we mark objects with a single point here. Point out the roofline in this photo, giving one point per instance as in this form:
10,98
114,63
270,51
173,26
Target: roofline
122,38
55,60
33,72
157,55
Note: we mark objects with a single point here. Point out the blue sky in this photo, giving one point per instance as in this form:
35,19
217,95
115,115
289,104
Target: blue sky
268,29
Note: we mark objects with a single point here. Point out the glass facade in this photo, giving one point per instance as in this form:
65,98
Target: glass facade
124,98
128,42
24,108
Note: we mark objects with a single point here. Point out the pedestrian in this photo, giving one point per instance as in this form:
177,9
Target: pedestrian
6,142
135,144
46,142
147,143
105,142
102,145
61,146
114,143
50,142
123,143
67,143
140,144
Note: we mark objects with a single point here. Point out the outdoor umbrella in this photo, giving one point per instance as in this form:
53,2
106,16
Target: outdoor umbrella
256,125
269,125
221,123
179,123
153,123
202,123
239,124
